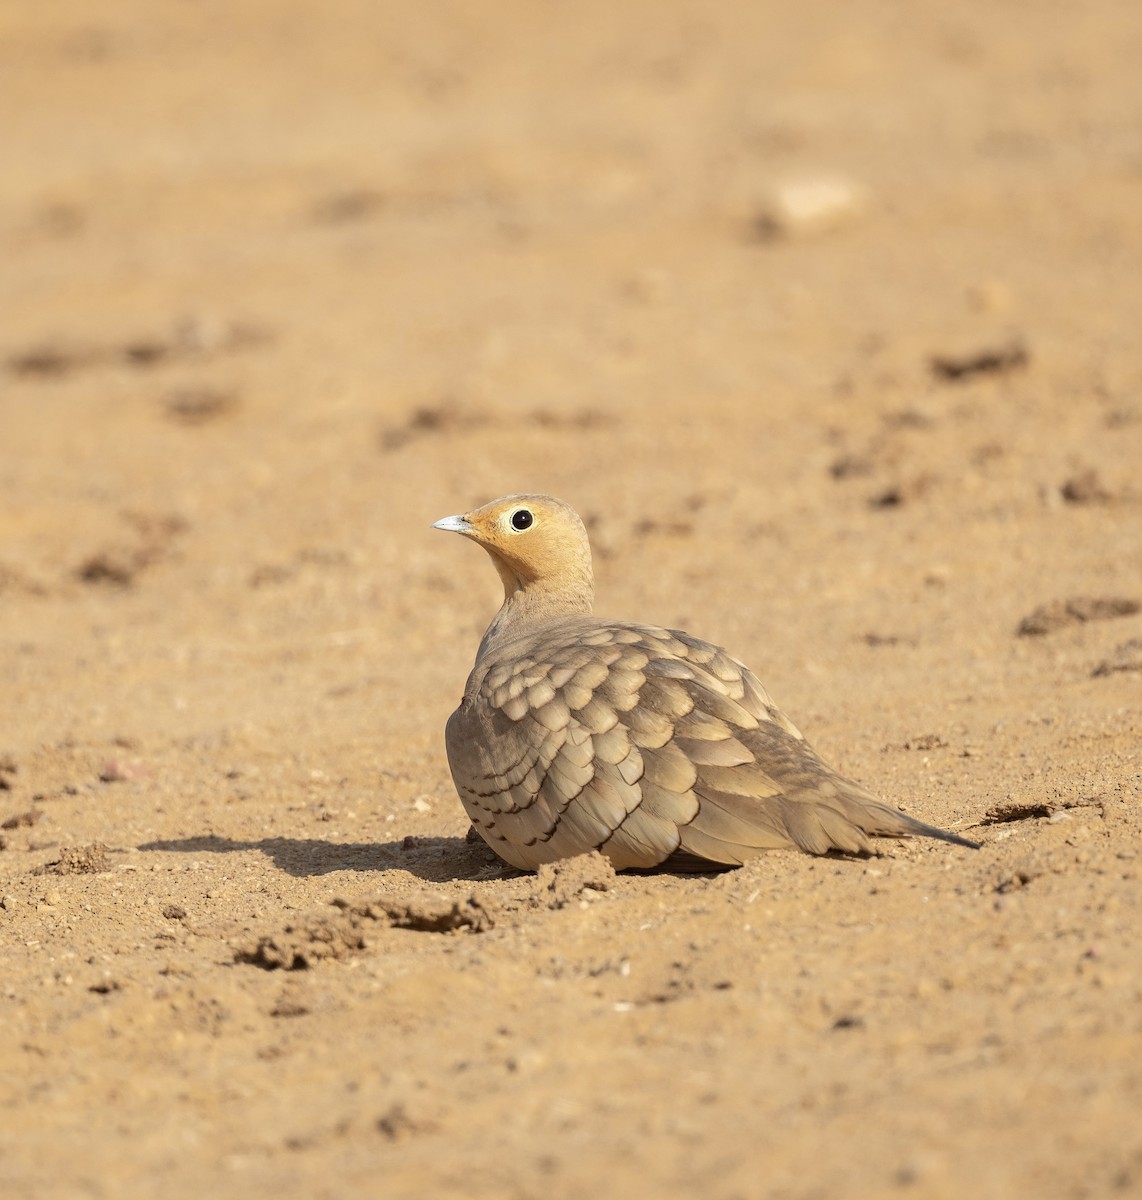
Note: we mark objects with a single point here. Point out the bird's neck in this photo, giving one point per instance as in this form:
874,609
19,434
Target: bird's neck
531,605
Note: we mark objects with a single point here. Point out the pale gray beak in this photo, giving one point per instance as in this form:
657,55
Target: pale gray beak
452,525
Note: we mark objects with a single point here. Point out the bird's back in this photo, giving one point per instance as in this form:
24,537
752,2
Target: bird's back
648,744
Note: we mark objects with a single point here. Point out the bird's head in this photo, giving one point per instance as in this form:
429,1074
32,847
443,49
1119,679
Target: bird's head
537,543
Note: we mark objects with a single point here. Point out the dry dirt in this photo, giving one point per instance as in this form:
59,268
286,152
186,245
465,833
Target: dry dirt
827,316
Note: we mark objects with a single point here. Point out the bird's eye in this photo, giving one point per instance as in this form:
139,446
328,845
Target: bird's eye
521,520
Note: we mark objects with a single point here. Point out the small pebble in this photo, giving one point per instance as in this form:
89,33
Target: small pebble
808,207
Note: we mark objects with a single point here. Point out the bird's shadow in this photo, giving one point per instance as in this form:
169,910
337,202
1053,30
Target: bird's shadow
436,860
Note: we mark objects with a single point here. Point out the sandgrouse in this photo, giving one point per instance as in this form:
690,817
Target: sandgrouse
577,733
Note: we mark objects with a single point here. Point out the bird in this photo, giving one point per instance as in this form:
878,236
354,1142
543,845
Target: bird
656,748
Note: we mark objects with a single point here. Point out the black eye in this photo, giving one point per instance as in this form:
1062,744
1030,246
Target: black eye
521,520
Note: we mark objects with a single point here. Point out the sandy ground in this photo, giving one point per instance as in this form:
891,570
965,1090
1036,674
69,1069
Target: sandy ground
827,317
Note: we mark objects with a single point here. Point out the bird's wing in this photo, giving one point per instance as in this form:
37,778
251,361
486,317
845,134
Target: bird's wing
650,745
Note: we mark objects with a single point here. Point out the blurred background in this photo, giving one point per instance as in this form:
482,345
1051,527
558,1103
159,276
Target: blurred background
273,272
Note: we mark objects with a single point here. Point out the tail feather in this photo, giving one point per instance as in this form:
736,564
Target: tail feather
730,829
882,820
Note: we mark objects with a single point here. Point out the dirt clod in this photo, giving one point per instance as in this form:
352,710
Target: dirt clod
925,741
23,820
396,1124
1058,614
199,405
1127,656
79,860
1085,488
122,770
349,930
992,360
430,913
303,944
562,883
